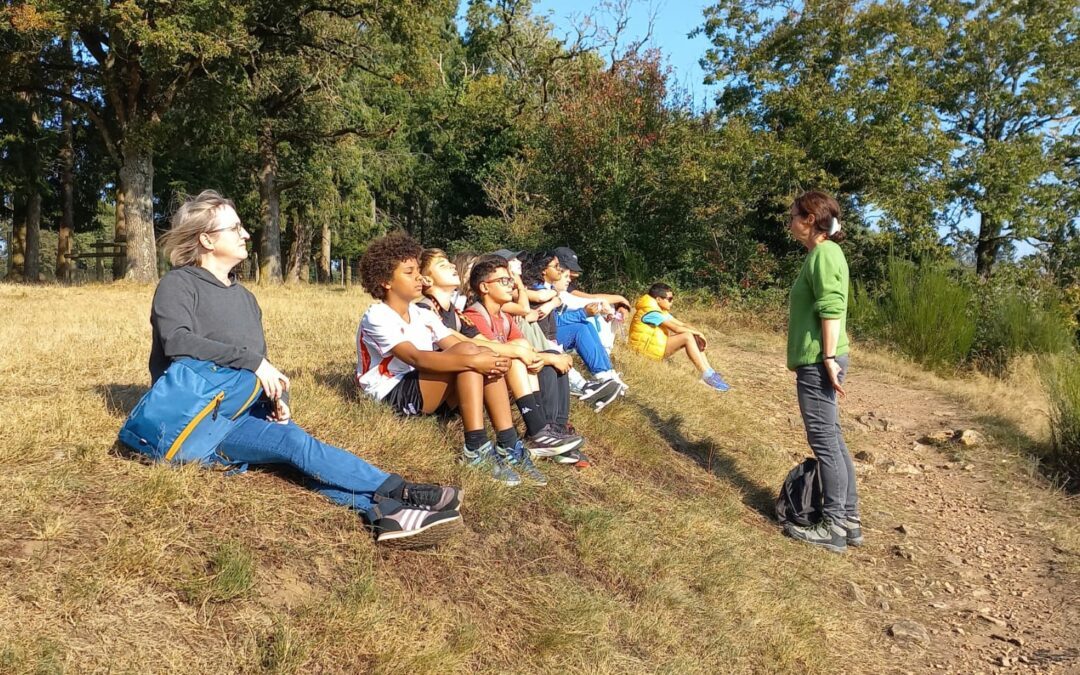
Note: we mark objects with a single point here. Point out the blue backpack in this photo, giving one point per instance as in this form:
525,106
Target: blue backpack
189,411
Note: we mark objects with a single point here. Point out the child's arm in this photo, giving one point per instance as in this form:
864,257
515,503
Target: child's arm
485,362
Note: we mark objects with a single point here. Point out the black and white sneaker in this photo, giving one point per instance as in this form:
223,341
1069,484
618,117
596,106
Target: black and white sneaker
415,528
551,441
589,390
608,391
430,497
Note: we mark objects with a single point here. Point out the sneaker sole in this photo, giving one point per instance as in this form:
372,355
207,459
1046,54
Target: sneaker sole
855,542
429,535
728,388
820,544
556,450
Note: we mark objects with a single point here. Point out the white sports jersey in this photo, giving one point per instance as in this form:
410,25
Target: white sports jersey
378,371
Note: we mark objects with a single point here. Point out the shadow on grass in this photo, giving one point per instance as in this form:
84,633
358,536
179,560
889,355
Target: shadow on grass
711,457
120,399
341,380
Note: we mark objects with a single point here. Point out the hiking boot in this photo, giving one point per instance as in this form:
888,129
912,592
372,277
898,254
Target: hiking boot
853,528
716,382
551,441
429,497
824,534
415,528
576,457
609,391
489,459
518,457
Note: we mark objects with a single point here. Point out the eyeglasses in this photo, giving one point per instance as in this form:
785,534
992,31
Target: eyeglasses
555,265
505,281
670,298
237,228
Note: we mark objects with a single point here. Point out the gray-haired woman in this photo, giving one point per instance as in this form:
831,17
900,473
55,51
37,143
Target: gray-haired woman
200,311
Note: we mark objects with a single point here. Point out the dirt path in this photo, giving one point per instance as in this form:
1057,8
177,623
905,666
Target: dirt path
955,542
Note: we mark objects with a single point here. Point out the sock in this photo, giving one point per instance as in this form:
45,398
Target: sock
605,375
708,373
507,438
577,381
533,414
474,440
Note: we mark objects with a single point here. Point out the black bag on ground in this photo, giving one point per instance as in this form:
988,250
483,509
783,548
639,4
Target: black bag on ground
799,502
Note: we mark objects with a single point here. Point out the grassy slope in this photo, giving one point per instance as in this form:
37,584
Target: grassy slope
650,561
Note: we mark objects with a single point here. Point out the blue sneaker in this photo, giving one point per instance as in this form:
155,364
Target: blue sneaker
487,457
519,458
716,382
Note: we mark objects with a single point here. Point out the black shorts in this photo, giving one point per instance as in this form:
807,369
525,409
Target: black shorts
407,400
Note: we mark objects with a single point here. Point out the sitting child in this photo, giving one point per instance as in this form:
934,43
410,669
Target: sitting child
655,333
490,284
569,328
441,292
397,362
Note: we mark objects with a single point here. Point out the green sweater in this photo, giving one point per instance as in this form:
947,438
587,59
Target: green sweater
820,292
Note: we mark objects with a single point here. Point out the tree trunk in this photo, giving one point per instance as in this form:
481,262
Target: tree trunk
32,241
65,266
988,246
269,208
324,255
346,273
119,230
32,271
137,189
17,257
300,251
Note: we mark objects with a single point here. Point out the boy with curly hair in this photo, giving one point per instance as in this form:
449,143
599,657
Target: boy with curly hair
397,362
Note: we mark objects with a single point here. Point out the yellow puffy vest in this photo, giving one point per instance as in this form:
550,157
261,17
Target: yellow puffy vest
649,340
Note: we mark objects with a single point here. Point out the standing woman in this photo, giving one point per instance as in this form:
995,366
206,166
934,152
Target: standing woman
817,350
201,312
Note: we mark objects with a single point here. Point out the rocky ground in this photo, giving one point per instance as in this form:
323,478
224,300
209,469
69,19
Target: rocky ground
960,570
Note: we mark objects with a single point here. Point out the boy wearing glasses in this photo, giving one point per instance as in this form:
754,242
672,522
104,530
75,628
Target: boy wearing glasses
397,362
655,333
492,284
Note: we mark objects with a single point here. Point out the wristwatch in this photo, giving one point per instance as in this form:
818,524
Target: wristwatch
833,357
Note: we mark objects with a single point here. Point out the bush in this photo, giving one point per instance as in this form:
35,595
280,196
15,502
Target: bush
1061,378
928,314
1018,321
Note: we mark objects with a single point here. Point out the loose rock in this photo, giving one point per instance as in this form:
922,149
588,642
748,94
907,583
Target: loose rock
908,631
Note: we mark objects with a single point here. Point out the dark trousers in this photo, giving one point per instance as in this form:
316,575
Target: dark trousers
555,395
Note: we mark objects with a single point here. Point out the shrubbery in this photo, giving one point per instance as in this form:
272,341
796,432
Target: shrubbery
1061,378
942,317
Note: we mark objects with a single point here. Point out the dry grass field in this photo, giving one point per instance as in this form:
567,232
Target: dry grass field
663,557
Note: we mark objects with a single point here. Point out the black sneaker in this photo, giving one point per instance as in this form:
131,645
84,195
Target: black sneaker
608,392
576,457
415,528
430,497
551,441
853,528
589,390
824,534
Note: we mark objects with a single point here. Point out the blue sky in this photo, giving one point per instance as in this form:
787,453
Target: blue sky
674,19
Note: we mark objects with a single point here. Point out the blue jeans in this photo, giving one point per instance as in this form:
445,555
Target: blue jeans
821,417
583,338
336,474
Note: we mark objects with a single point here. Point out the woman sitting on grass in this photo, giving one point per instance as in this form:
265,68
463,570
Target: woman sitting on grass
817,350
200,311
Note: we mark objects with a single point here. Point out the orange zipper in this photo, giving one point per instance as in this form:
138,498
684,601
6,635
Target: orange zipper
210,407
